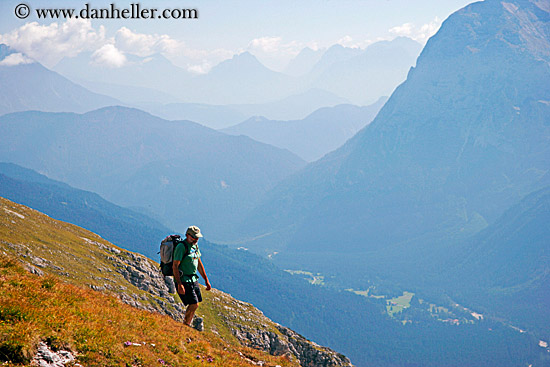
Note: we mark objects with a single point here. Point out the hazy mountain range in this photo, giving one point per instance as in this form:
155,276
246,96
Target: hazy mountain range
359,76
429,224
463,139
31,86
314,136
223,116
179,171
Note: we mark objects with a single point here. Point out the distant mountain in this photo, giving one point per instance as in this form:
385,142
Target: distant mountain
314,136
304,62
212,116
127,229
463,139
242,79
296,106
223,116
154,72
364,77
31,86
333,56
505,269
182,172
130,95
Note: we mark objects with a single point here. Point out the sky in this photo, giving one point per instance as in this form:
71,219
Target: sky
274,31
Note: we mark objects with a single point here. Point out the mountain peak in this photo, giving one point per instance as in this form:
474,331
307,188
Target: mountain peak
452,143
518,25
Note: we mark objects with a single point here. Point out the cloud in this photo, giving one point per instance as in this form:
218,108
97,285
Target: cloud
16,59
48,44
420,34
266,44
348,41
144,45
109,56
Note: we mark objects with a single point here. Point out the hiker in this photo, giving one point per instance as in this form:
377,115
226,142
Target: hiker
187,260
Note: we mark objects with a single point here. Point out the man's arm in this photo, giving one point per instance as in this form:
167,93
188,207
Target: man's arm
176,271
203,274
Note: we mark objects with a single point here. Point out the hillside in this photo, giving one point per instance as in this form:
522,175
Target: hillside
506,271
65,259
48,246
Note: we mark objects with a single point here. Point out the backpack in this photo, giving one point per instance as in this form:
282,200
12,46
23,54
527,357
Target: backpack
167,248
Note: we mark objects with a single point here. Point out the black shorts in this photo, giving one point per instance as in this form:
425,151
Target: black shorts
192,294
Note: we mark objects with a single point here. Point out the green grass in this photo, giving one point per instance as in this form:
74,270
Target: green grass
396,305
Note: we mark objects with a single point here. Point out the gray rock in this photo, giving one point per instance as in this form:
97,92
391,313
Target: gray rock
45,357
33,270
198,323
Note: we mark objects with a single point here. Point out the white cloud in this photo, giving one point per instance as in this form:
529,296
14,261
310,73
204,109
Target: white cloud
108,55
199,68
266,44
348,41
144,45
420,34
48,44
16,59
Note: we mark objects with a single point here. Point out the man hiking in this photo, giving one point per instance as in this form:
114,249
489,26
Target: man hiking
187,260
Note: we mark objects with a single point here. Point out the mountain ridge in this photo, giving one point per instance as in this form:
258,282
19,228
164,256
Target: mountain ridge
31,86
435,158
135,159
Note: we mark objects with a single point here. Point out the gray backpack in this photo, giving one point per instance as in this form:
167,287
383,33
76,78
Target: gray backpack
167,248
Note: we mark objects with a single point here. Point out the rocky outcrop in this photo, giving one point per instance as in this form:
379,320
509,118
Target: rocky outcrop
252,328
45,357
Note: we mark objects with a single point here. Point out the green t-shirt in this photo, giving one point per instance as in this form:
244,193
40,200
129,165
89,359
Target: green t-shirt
188,265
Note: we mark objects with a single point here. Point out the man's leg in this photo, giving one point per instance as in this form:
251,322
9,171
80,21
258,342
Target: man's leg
189,313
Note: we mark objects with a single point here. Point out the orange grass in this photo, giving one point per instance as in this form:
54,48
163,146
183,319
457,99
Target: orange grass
97,326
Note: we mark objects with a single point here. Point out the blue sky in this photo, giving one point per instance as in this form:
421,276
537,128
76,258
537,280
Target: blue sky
274,31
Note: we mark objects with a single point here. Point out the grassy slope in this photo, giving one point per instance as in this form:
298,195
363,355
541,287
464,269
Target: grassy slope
60,308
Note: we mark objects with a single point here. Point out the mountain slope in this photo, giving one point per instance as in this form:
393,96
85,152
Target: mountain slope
507,268
180,171
66,253
459,142
33,87
314,136
127,229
